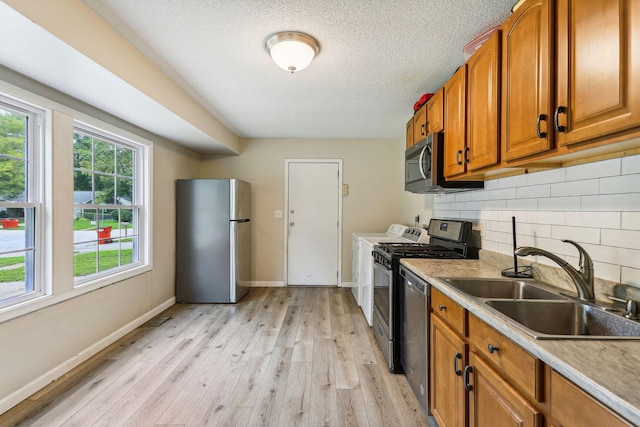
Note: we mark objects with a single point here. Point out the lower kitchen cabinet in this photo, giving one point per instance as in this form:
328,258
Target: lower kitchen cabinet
448,397
493,401
571,406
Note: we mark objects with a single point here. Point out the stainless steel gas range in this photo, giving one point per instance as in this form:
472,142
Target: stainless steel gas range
448,239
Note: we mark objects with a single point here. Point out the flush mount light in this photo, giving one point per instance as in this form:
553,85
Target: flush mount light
292,51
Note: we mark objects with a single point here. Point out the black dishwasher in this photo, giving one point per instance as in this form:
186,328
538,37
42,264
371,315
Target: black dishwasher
414,338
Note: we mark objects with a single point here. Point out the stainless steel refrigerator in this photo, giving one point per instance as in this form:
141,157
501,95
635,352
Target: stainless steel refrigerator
213,244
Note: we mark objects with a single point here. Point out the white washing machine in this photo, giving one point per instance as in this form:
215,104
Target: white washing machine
364,268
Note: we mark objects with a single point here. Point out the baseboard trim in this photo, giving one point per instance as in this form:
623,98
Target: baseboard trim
348,285
19,395
265,284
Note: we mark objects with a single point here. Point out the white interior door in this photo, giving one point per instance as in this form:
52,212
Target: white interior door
313,222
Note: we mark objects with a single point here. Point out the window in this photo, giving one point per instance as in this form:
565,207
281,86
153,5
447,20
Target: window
108,204
20,202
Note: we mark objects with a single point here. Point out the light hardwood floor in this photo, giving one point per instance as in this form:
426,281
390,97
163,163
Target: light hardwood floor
280,357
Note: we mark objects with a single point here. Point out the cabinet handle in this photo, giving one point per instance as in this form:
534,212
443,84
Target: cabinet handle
459,157
492,349
540,134
422,128
556,125
467,370
466,155
442,307
456,357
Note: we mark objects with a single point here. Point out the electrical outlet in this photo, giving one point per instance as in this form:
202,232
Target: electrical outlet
278,214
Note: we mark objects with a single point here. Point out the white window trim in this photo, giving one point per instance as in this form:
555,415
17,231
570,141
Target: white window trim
50,295
143,188
37,171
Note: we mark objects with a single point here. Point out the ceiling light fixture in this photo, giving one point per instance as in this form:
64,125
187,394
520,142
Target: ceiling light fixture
292,51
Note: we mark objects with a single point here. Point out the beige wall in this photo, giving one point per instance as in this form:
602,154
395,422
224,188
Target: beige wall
40,346
370,168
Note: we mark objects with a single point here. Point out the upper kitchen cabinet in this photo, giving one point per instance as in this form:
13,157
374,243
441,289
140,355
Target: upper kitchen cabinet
409,143
472,106
483,105
455,122
598,64
526,78
420,124
435,112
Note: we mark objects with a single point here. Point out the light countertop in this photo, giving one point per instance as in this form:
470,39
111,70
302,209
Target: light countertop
609,370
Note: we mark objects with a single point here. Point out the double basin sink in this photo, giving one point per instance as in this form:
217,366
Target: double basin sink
543,313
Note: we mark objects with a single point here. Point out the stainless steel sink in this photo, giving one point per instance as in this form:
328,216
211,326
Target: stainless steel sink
566,319
503,288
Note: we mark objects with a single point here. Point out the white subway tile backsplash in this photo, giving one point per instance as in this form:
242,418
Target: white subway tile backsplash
621,238
513,181
606,271
576,188
594,219
545,217
560,204
631,165
630,221
620,184
539,230
601,169
612,202
595,204
630,276
494,205
497,236
522,204
614,255
546,177
531,191
579,234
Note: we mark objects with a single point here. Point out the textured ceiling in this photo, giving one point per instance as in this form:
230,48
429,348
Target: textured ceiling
376,58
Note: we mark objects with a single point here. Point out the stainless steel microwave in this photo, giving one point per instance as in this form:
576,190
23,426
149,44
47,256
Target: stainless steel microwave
424,169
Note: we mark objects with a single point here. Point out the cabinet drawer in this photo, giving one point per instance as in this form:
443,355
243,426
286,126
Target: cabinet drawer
522,369
449,311
571,406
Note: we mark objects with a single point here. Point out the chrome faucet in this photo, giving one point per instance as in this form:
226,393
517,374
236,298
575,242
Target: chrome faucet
582,278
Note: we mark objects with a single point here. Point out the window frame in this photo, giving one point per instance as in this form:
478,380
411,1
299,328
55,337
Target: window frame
141,196
34,197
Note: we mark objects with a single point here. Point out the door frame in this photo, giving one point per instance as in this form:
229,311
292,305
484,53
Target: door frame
286,216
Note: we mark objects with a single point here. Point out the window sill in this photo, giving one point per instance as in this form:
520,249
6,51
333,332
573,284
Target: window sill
43,301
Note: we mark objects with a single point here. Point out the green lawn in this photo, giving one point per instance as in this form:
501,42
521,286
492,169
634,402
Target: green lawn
83,265
85,224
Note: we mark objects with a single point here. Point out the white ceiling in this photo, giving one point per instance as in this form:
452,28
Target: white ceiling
376,58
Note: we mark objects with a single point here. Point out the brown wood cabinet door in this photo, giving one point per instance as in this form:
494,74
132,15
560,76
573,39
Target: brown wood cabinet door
448,398
493,402
435,113
526,81
420,124
410,133
572,407
598,68
483,105
455,122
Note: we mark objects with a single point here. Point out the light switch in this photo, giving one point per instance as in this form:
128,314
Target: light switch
278,214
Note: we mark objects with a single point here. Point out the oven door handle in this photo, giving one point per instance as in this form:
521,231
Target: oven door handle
420,164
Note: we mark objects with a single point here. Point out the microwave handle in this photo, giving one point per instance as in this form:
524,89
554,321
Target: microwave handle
424,176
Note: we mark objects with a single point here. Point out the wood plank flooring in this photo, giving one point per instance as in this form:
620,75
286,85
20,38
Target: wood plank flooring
280,357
